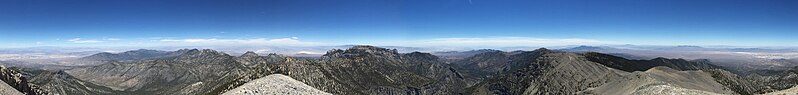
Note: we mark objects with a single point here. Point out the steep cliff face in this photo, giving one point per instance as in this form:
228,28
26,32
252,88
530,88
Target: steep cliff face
17,81
312,74
374,70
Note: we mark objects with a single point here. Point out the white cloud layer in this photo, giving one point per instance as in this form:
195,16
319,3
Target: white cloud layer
308,52
293,41
78,40
499,42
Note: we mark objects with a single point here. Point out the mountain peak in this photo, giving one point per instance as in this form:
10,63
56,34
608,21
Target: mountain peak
661,69
188,49
369,48
127,55
583,47
421,55
142,50
183,51
203,56
103,54
209,52
201,52
249,54
363,50
485,50
542,50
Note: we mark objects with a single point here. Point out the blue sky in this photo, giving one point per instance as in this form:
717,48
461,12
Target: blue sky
98,23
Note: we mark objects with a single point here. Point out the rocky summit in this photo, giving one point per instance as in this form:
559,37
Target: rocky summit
370,70
275,84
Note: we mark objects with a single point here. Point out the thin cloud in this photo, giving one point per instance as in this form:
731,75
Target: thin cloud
499,42
78,40
293,41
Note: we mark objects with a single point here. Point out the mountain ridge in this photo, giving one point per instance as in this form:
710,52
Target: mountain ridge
362,70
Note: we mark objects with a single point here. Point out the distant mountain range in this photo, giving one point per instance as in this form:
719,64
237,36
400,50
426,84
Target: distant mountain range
361,70
738,60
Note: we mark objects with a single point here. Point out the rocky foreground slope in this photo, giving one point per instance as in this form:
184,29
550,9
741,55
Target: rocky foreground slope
15,80
7,89
791,91
661,80
275,84
369,70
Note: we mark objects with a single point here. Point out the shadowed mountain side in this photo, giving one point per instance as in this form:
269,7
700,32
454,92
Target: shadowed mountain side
641,65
